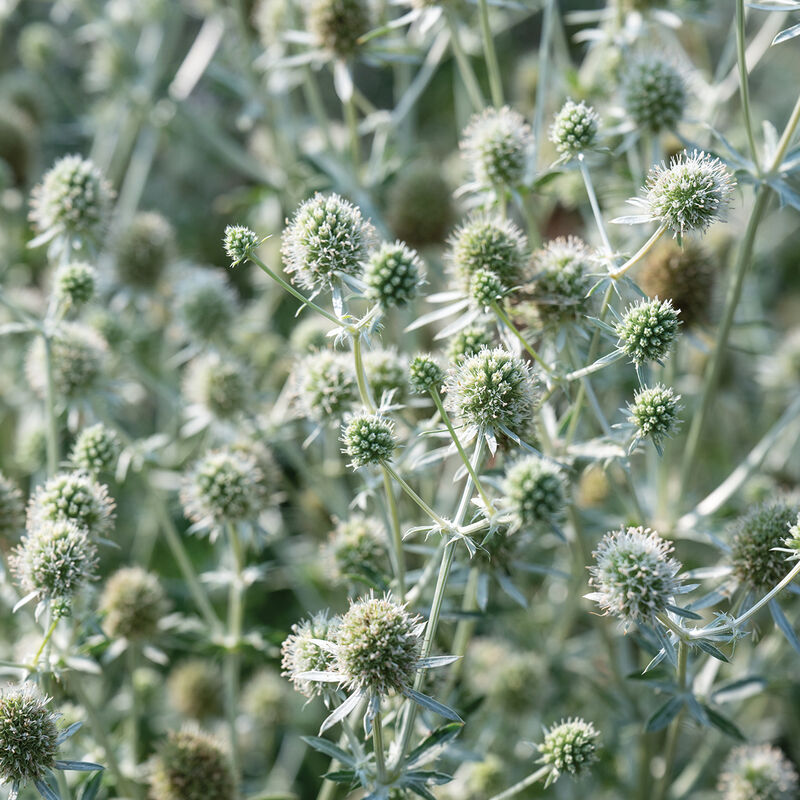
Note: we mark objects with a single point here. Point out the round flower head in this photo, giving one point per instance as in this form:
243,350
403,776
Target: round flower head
28,736
239,243
393,274
648,330
337,25
490,243
326,385
191,765
468,342
386,372
326,236
55,561
492,390
654,94
654,412
74,284
356,547
634,575
569,747
216,383
12,510
96,449
561,279
378,646
486,288
755,535
301,654
690,193
535,491
758,772
574,129
496,145
420,205
133,603
144,249
195,689
424,374
206,304
369,439
73,200
73,497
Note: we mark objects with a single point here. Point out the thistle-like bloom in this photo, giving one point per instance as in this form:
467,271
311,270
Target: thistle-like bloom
570,746
301,654
654,412
561,278
325,385
195,689
356,547
791,544
337,25
75,283
468,342
486,288
239,243
206,303
218,384
133,603
574,129
689,194
393,274
648,330
73,497
387,373
758,772
635,576
326,237
424,374
96,449
12,510
535,492
369,439
420,205
654,94
496,145
144,249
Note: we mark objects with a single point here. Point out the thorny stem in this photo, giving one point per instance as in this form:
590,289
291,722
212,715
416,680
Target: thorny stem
640,253
232,667
672,735
535,777
744,86
490,55
504,318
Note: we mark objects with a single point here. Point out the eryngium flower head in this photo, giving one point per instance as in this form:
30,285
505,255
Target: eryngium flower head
486,288
73,199
12,510
96,449
574,129
356,547
378,645
469,341
28,735
133,603
690,193
654,412
393,274
54,561
195,689
758,772
224,486
792,542
491,390
326,384
144,249
496,144
424,374
73,497
654,94
191,765
755,563
534,489
74,284
216,383
369,439
206,303
569,747
337,25
490,243
634,575
301,654
561,278
648,330
386,372
239,243
420,205
327,235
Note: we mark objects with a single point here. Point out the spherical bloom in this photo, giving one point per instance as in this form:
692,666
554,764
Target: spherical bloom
758,772
561,278
55,561
496,145
574,129
74,284
492,390
326,236
12,510
654,94
73,497
206,304
356,547
96,449
73,199
569,747
386,372
393,274
420,205
195,689
216,383
378,646
648,330
424,374
28,735
133,603
535,491
654,412
690,193
369,439
191,765
326,384
755,563
301,654
337,25
490,243
468,342
486,288
239,243
144,249
634,575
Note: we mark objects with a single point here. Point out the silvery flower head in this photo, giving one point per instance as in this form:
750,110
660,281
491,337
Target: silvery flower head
534,490
239,243
654,94
758,772
325,385
648,330
337,25
574,129
356,547
75,284
469,341
369,439
424,374
393,274
96,449
133,603
570,746
301,654
655,413
561,279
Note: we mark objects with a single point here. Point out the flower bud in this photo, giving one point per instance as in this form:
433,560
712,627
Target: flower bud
574,129
648,330
757,772
654,94
96,450
424,374
569,747
654,412
393,274
75,284
239,243
369,439
133,603
535,491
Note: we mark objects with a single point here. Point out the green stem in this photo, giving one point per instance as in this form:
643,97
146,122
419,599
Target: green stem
232,666
744,85
397,536
464,629
503,317
598,217
525,783
490,55
50,409
46,639
462,61
640,253
377,742
672,735
442,523
133,720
